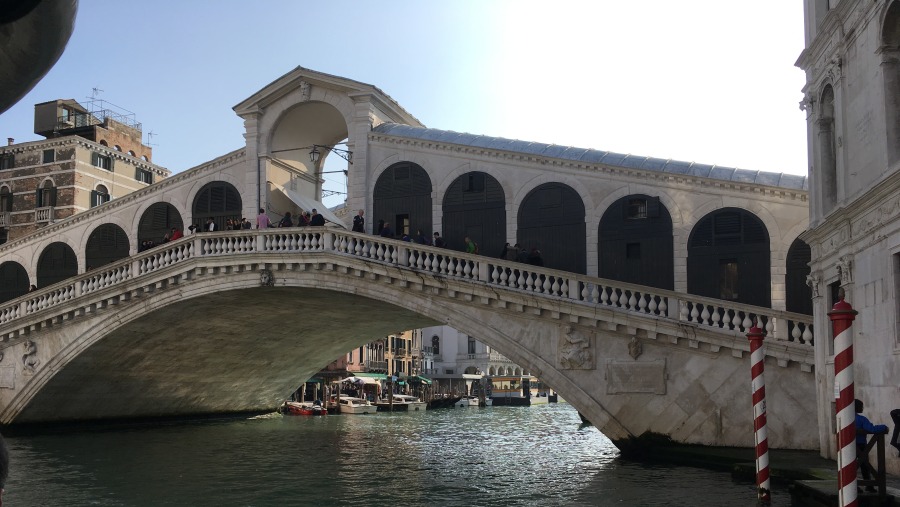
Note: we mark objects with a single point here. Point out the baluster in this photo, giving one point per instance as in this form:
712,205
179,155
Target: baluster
642,303
746,323
632,301
795,333
736,321
595,294
770,326
704,316
694,313
564,288
807,334
495,276
554,288
653,306
716,317
604,296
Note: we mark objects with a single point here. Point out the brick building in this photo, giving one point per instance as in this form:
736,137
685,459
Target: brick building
90,156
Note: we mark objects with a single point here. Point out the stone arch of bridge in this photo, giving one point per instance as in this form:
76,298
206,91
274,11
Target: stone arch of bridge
298,126
135,339
42,246
180,204
113,219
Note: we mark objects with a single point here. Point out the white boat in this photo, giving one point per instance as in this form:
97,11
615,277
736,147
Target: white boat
351,405
412,403
473,401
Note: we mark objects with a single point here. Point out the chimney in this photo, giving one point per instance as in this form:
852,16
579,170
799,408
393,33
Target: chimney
10,141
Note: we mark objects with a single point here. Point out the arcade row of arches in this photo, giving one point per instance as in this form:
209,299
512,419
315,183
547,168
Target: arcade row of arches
217,201
728,253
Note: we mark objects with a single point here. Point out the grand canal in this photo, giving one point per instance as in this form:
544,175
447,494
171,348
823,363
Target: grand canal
500,456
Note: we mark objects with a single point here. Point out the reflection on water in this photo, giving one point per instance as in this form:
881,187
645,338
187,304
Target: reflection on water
499,456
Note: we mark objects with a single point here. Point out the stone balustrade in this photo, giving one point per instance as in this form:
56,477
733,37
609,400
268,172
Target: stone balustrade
725,317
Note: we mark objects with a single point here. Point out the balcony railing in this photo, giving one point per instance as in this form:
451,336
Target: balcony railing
376,366
43,215
4,218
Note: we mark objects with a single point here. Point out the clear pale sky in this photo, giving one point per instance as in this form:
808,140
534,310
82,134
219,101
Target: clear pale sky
710,81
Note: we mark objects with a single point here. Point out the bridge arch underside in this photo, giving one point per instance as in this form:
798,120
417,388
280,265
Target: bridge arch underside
219,342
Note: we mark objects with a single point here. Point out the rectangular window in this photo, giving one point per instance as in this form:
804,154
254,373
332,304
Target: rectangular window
449,371
49,156
101,161
7,161
728,279
637,209
143,176
5,200
471,345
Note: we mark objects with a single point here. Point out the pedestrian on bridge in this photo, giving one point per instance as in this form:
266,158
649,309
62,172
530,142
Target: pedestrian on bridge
317,220
262,221
359,223
286,221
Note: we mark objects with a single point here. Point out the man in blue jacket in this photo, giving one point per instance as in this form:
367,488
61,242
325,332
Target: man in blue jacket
865,427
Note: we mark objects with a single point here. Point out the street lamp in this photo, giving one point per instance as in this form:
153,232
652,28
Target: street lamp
315,155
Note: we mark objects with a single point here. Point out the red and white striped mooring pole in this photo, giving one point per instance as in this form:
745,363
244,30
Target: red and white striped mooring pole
760,434
842,316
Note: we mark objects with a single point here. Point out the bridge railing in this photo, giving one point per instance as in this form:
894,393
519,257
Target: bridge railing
724,316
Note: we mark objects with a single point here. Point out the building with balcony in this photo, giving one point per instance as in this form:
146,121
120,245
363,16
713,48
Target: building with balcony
88,157
460,360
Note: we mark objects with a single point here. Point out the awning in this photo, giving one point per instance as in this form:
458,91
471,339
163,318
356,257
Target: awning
379,376
419,378
308,204
360,380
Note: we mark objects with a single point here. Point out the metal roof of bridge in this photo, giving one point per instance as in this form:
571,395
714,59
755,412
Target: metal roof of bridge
599,156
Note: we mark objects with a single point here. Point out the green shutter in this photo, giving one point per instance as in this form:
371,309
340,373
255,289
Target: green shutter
38,202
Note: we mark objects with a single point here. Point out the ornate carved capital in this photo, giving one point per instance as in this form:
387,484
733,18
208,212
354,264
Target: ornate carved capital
813,280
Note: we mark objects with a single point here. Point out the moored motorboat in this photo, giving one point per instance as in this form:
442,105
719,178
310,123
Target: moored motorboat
351,405
414,403
303,408
468,401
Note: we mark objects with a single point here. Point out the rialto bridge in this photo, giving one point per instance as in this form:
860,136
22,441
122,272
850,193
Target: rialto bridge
655,269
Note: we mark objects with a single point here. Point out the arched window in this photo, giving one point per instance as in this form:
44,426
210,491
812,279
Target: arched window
117,148
402,198
103,142
798,294
825,154
106,244
144,158
46,195
635,242
551,220
475,206
56,263
728,258
13,281
218,200
157,222
890,69
131,152
100,195
6,199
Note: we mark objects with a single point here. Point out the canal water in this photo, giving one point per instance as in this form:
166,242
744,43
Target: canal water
498,456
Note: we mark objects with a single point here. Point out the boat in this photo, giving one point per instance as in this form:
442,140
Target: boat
402,403
303,408
473,401
443,402
518,390
351,405
414,404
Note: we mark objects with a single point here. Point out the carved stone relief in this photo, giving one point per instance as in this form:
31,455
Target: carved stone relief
575,351
266,278
844,266
304,90
30,361
635,349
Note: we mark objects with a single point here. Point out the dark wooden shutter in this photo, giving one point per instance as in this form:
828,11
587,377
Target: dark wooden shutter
38,201
52,196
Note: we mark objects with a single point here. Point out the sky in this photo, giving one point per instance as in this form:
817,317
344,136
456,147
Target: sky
710,81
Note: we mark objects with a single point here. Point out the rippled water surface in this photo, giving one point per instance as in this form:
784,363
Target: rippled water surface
499,456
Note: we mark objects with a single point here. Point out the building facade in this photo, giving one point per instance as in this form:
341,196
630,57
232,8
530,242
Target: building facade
852,101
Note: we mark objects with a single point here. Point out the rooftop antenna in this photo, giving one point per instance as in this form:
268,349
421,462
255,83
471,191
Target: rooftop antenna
150,138
95,92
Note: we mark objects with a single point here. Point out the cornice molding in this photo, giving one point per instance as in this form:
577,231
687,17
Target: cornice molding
84,143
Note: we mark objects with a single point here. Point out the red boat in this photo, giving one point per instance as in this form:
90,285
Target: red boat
303,408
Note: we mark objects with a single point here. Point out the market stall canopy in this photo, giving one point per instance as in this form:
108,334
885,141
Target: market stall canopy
419,378
360,380
308,204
